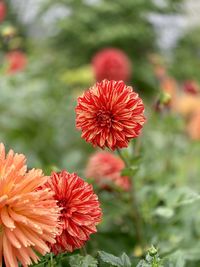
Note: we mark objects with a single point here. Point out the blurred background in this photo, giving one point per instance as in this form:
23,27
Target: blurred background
52,50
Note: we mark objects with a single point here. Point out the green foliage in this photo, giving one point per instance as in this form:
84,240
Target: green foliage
187,52
81,261
122,261
152,259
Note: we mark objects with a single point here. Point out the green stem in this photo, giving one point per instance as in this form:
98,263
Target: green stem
136,213
51,260
83,251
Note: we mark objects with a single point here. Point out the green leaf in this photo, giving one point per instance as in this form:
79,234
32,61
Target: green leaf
164,212
81,261
177,259
125,260
129,171
122,261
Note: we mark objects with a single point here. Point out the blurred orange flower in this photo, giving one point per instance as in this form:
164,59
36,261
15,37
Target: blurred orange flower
28,216
104,167
80,212
110,114
194,126
187,104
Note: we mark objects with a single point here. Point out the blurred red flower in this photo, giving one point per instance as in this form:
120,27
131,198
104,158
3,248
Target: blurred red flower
104,167
2,11
191,87
80,212
110,114
111,64
16,61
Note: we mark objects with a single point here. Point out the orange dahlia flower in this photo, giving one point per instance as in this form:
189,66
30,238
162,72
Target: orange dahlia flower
111,64
80,212
28,217
105,167
110,114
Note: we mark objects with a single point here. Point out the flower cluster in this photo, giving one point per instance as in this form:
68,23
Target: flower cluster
42,214
104,167
110,114
111,64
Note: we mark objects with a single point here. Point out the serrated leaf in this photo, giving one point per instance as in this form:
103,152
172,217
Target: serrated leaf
125,260
81,261
122,261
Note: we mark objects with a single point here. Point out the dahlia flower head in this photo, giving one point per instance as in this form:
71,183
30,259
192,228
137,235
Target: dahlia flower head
2,11
80,210
16,61
28,216
110,114
111,64
104,168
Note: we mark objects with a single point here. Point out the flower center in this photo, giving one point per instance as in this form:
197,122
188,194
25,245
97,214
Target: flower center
104,118
63,204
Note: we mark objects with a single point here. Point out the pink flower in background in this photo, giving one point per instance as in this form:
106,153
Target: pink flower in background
105,167
110,114
80,212
16,61
111,64
28,216
2,11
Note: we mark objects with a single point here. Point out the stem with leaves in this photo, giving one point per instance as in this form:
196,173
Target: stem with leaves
135,213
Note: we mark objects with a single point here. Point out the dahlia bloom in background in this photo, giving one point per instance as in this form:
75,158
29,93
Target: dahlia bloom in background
187,104
2,11
80,212
194,126
16,61
28,217
104,167
110,114
111,64
191,87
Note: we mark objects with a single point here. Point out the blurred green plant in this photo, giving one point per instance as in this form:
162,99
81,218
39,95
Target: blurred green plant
187,52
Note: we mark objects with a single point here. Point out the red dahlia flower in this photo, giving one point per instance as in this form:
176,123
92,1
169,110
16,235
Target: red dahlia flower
105,167
111,64
191,87
110,114
80,213
2,11
17,61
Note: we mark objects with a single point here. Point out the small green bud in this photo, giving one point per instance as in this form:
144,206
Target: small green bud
152,251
